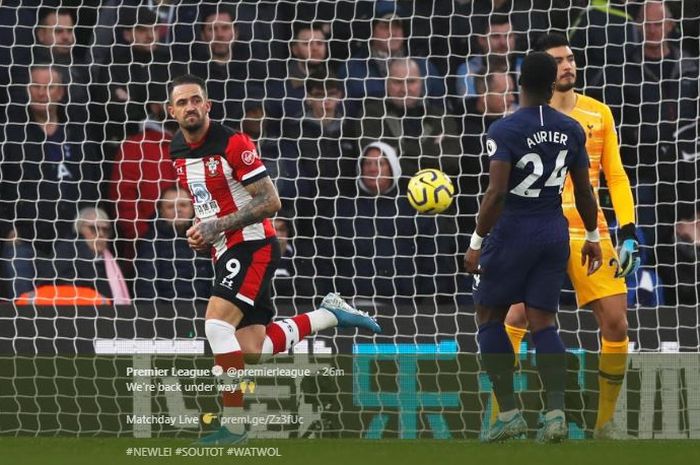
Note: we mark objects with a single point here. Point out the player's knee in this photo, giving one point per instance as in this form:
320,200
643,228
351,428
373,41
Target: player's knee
220,309
614,329
516,316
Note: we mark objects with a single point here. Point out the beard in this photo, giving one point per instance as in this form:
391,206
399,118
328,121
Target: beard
193,126
565,86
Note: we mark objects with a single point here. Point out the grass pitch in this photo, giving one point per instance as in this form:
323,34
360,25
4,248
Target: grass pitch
108,451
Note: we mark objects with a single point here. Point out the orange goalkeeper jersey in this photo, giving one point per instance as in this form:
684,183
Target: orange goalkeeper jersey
603,150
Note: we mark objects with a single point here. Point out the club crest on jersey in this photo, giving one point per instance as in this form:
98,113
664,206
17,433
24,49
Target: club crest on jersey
212,166
248,157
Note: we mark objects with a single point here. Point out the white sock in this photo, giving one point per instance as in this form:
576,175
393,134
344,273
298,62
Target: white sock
233,419
222,339
322,319
553,414
289,330
221,336
507,416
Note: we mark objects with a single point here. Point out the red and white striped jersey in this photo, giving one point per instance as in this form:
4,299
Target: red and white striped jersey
215,171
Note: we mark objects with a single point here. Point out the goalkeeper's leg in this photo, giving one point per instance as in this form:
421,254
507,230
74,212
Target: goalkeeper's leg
611,313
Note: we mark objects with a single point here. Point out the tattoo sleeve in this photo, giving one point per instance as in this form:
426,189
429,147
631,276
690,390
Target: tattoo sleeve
264,203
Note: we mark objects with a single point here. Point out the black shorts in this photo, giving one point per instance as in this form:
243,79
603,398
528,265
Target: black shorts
244,276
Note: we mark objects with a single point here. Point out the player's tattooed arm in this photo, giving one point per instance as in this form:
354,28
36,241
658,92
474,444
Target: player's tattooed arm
264,203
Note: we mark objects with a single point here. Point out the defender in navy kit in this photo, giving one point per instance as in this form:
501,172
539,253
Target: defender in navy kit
525,255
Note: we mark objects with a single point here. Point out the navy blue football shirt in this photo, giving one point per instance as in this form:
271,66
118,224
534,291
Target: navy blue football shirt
541,144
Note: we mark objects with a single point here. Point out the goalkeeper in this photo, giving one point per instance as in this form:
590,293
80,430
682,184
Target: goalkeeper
604,292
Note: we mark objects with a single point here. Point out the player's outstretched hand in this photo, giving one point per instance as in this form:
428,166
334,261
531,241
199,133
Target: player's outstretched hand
591,254
471,261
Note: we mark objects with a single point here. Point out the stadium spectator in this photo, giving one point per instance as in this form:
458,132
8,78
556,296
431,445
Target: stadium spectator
316,157
120,92
225,65
142,172
686,288
309,55
367,69
454,26
383,250
255,124
167,268
86,259
55,44
599,34
660,96
174,22
420,131
497,51
45,176
493,101
288,281
339,21
16,38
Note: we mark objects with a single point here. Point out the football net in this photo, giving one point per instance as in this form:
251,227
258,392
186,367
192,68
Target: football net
314,120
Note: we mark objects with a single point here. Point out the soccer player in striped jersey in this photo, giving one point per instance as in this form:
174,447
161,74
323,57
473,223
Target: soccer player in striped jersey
605,292
234,199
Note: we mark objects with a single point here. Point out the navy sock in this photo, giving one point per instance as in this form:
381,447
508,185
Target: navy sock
498,360
551,365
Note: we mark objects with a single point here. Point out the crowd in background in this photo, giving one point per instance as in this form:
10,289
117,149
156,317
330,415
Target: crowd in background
346,101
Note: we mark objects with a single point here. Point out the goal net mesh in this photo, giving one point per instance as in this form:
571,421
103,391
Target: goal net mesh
324,88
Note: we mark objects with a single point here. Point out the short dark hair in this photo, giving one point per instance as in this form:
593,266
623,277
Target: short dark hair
47,66
551,40
131,17
187,79
538,74
301,26
324,81
46,11
208,10
497,19
482,83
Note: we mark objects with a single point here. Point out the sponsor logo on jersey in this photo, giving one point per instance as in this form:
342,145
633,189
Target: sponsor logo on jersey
204,205
249,157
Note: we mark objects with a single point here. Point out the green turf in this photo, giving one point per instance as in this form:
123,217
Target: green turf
90,451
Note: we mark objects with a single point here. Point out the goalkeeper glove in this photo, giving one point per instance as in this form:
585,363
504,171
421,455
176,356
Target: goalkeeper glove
629,252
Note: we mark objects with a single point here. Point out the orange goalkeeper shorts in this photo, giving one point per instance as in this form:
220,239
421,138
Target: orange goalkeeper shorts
603,282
